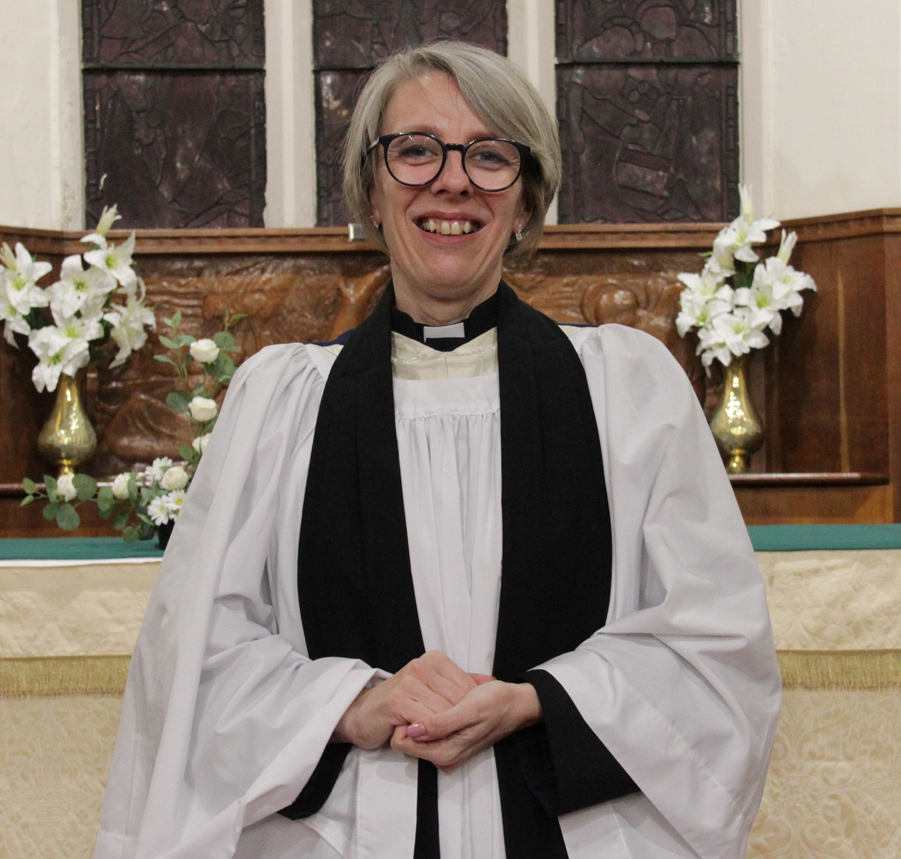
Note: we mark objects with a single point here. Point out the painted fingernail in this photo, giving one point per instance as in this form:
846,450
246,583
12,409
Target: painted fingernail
415,731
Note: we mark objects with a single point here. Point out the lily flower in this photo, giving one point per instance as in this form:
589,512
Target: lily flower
116,260
129,323
109,216
22,275
80,290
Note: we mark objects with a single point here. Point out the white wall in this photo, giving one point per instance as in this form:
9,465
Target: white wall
821,105
41,152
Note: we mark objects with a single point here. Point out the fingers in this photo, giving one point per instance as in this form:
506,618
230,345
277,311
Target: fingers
488,714
430,684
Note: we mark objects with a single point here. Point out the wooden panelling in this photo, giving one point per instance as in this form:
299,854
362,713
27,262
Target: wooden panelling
829,387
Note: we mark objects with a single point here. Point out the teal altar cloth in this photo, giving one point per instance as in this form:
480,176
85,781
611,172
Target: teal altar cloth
765,538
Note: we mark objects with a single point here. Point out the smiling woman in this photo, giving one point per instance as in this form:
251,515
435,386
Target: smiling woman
466,586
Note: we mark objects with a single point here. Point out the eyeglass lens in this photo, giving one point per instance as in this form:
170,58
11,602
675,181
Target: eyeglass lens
416,159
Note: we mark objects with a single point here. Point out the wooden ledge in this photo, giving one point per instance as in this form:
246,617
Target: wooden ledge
838,478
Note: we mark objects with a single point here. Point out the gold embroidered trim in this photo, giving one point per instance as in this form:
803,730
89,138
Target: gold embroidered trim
106,675
840,669
63,675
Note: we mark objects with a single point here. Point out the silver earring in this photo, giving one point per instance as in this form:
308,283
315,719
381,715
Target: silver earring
518,235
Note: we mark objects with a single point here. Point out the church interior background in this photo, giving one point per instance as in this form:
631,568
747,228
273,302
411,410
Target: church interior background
214,128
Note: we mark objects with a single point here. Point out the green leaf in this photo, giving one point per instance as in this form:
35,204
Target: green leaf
122,518
178,401
29,486
50,483
50,511
184,340
222,369
187,452
85,486
165,359
225,340
105,501
176,319
145,531
166,341
67,517
130,534
27,500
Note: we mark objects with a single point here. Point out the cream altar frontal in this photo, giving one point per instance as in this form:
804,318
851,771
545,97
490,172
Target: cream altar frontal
69,620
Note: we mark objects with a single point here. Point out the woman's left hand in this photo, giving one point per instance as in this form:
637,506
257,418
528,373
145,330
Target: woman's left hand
487,714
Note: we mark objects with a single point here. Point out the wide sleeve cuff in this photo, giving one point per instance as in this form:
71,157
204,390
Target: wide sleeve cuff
316,791
566,766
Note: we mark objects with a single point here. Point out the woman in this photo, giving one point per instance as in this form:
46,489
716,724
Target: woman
375,686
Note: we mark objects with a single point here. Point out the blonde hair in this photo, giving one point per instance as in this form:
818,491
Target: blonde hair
497,92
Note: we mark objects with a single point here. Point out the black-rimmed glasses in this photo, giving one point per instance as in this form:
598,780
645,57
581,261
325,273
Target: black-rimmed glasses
415,159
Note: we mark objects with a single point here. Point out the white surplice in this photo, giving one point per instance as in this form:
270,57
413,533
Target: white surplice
225,717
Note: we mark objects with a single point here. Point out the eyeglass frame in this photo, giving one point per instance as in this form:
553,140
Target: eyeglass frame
387,139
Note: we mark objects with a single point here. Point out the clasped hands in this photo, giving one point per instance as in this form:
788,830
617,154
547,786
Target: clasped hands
434,710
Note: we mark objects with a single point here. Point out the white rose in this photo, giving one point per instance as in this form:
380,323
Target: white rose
174,478
65,487
199,444
205,351
203,409
120,486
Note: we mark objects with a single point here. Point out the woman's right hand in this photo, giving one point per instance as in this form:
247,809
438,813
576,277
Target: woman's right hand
430,684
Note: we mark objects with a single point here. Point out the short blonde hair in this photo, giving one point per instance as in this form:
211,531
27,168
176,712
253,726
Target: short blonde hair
497,92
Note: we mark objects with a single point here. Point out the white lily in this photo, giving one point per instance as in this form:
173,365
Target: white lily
129,326
786,246
116,260
109,216
22,276
48,344
14,322
744,231
697,310
80,290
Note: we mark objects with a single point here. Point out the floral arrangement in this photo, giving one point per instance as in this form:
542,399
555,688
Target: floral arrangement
736,298
145,502
71,323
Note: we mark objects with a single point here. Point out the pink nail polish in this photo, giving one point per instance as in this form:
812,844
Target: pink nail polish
415,731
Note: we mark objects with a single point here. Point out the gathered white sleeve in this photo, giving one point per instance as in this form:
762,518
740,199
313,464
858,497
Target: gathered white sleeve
225,716
681,684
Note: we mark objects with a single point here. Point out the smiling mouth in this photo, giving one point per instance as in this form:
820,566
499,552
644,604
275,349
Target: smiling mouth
449,228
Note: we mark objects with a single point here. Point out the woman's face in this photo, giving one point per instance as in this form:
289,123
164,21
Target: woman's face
429,268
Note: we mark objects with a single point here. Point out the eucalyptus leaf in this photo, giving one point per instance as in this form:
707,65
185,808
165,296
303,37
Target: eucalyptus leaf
29,486
50,483
225,340
27,500
85,486
179,401
130,534
121,519
50,511
67,517
186,452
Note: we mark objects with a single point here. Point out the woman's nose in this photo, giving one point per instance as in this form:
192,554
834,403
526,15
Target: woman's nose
453,177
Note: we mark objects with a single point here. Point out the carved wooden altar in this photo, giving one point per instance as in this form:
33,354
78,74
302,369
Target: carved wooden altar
829,387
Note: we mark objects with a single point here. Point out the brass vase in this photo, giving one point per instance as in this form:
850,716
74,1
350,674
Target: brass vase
736,426
67,439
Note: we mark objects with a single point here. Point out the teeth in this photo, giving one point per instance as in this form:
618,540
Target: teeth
448,228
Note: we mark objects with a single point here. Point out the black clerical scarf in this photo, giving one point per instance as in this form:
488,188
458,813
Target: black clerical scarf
354,579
